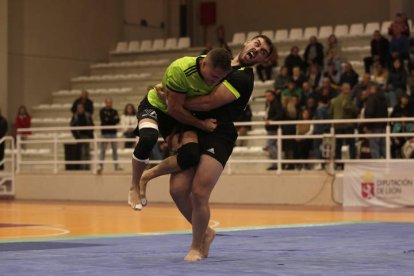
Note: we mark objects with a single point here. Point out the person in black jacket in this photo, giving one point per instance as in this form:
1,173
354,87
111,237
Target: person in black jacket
109,117
349,75
3,132
83,99
314,52
376,107
380,47
293,60
274,112
82,118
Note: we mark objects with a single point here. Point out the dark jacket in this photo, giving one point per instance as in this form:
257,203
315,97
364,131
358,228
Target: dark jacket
350,77
293,61
3,126
109,117
82,119
376,107
319,53
380,48
274,112
397,79
88,105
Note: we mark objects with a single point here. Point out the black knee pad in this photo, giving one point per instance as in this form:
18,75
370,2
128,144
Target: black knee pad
188,155
148,137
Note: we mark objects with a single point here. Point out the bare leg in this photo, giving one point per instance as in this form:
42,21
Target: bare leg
180,190
202,187
134,199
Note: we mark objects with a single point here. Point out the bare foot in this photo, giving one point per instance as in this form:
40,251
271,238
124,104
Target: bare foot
208,240
143,188
134,200
193,255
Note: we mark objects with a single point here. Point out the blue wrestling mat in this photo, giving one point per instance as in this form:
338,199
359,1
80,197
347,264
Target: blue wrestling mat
327,249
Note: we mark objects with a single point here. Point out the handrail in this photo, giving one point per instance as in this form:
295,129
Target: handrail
9,176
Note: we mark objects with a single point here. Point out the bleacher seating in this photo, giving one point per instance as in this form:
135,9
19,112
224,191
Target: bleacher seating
371,27
250,35
325,31
171,43
133,47
384,27
281,35
296,34
238,39
146,45
341,30
269,33
310,31
356,29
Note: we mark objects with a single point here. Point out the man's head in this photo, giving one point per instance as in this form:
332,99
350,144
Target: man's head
215,66
256,50
372,88
80,108
84,94
294,51
108,103
326,82
346,88
296,71
269,96
377,35
313,39
306,86
366,78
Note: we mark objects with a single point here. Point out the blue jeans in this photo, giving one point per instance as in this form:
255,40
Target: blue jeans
377,145
114,146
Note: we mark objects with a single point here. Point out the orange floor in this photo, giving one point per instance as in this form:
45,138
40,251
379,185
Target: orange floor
36,219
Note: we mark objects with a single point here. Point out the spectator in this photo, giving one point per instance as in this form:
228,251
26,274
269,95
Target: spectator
333,52
313,52
349,75
289,92
380,75
333,74
326,89
358,90
376,107
265,70
274,112
398,142
321,113
380,47
399,45
291,112
109,117
343,108
246,116
399,24
403,108
297,76
3,132
282,80
81,118
293,60
311,106
307,92
23,120
83,99
129,122
303,146
314,75
396,83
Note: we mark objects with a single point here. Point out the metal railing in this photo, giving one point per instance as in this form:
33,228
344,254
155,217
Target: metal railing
55,140
8,174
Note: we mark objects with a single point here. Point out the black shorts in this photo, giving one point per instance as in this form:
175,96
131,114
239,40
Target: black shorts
219,143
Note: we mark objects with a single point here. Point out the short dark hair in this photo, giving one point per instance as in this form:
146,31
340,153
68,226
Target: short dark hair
221,58
268,41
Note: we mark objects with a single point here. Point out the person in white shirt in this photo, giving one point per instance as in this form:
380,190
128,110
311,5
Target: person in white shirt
129,122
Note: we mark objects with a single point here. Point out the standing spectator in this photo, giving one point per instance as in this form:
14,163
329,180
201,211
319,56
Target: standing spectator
313,52
307,92
314,75
3,132
109,117
376,107
343,108
380,47
321,113
293,60
333,52
265,70
359,89
396,83
23,120
399,45
297,76
129,122
83,99
81,118
303,146
291,112
282,80
274,112
246,116
349,75
399,24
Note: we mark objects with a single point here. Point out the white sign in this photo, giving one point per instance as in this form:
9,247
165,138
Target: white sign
381,184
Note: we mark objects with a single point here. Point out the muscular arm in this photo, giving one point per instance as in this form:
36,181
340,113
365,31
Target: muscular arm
219,97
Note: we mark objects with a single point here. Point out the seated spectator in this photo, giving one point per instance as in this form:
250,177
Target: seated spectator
311,106
314,75
129,122
81,118
281,81
399,46
297,76
289,92
379,52
83,99
349,75
327,89
307,92
3,132
23,120
293,60
274,112
291,112
380,75
303,146
396,83
398,142
246,116
399,24
265,70
358,90
333,52
333,74
403,108
313,52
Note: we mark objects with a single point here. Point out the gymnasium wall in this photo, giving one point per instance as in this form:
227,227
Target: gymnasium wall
3,57
51,41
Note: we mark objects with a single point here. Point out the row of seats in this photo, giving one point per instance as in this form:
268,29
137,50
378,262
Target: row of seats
77,92
56,106
141,76
148,45
357,29
137,63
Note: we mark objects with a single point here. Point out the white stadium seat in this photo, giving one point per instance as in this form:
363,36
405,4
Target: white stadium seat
158,44
250,35
384,27
296,34
325,31
184,42
341,30
371,27
171,43
146,45
121,47
281,35
356,29
238,38
269,33
133,46
310,31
